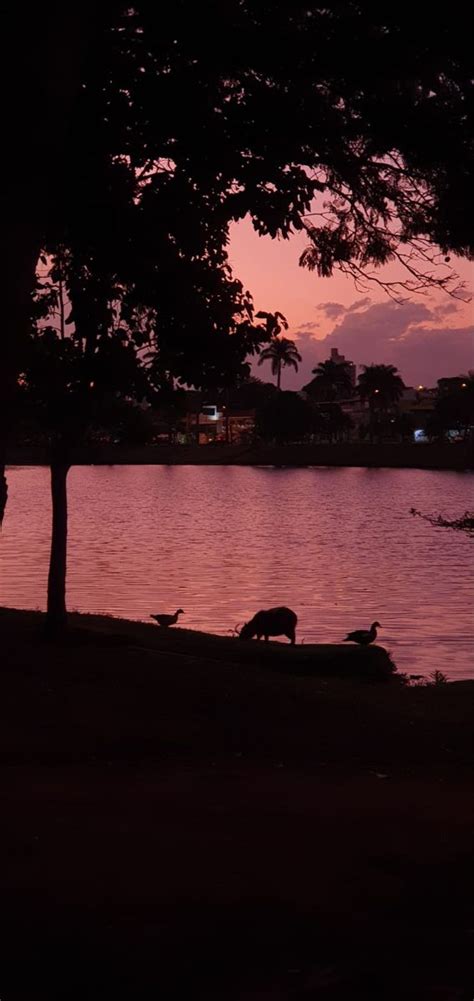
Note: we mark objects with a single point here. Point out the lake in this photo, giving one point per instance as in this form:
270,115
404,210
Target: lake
338,545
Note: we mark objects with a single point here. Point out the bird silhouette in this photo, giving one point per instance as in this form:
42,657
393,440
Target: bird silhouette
167,620
363,636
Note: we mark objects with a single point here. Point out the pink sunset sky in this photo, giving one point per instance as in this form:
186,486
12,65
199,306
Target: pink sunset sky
429,337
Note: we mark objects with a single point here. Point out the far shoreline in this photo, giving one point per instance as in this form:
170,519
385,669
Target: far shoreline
455,457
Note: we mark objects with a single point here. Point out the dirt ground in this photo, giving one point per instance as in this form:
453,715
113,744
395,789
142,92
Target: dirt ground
182,818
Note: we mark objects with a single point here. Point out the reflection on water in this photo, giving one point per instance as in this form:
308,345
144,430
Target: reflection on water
337,545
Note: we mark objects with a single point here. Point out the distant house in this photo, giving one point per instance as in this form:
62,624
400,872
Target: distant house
418,403
453,385
211,421
219,424
357,410
417,400
241,425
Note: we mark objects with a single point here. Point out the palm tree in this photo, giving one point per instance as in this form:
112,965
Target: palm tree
381,386
281,353
332,381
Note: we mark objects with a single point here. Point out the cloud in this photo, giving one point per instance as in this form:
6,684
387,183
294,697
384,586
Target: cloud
359,304
446,308
413,337
373,329
308,327
331,309
416,338
429,353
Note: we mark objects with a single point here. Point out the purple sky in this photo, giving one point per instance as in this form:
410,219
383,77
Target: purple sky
429,337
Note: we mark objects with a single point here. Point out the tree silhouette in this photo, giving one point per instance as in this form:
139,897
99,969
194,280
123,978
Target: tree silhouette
67,389
281,353
382,387
331,422
129,338
332,381
250,394
41,85
274,323
454,411
286,417
373,161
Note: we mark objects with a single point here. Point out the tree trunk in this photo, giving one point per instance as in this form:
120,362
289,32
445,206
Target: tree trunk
62,316
56,613
18,256
50,44
279,376
227,424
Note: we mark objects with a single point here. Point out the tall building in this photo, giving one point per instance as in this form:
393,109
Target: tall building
342,360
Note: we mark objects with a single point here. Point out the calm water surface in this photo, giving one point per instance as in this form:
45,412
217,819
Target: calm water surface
337,545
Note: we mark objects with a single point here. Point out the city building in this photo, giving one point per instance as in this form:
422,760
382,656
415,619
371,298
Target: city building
339,359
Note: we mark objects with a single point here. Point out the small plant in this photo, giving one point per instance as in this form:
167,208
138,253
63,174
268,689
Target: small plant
403,678
438,678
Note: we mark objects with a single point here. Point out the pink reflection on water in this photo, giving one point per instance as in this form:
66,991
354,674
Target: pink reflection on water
337,545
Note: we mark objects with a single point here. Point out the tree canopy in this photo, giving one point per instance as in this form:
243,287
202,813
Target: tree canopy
284,418
454,410
281,353
380,385
363,108
332,381
353,123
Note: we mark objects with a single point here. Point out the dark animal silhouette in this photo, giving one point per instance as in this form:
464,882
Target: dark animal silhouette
272,622
167,620
363,636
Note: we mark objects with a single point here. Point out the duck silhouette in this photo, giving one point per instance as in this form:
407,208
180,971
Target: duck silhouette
363,636
167,620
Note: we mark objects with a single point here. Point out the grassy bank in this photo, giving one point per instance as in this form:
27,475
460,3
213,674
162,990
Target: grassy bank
184,813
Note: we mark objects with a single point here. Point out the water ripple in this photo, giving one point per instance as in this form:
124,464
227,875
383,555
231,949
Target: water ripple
337,545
